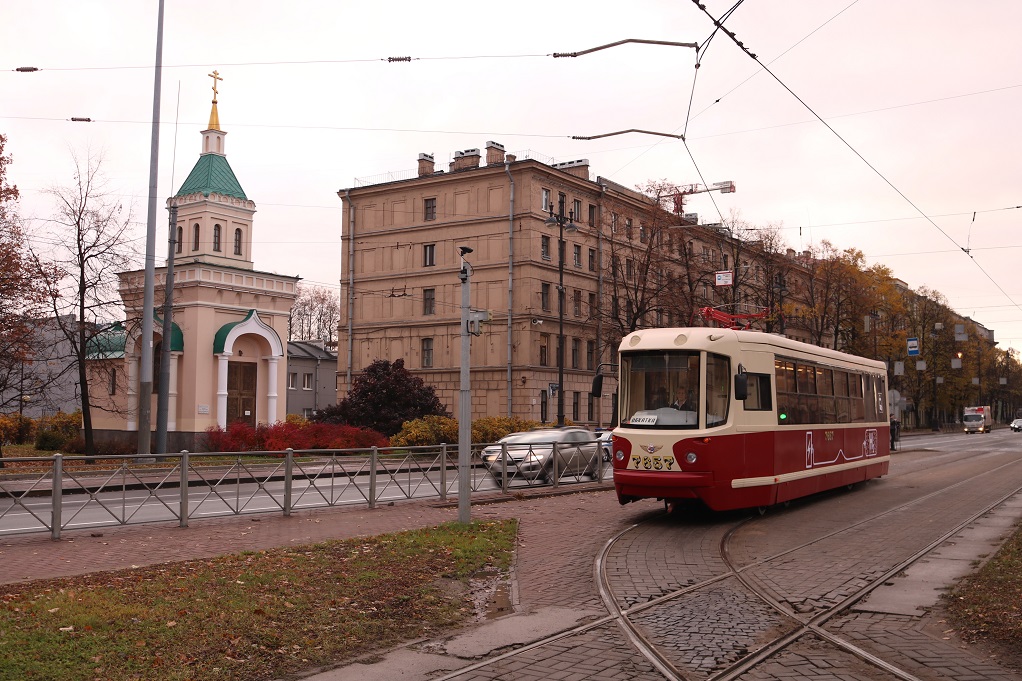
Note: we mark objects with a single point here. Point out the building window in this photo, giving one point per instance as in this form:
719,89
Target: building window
643,237
216,238
629,268
613,223
628,227
428,255
592,259
544,297
576,400
615,266
237,242
561,199
592,304
427,353
576,210
179,246
112,387
429,209
578,255
544,350
592,215
306,381
429,301
543,406
723,261
544,247
589,408
590,355
576,352
195,237
307,413
292,381
546,200
576,302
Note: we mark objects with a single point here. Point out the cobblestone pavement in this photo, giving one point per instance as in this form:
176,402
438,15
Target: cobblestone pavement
904,641
601,653
711,629
812,659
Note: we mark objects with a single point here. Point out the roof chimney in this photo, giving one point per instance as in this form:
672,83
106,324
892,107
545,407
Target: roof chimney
579,168
425,164
464,160
494,154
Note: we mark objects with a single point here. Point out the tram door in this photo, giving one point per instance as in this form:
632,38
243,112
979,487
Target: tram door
241,392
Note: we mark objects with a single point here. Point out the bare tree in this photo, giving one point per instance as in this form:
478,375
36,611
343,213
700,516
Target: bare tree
92,242
314,315
22,301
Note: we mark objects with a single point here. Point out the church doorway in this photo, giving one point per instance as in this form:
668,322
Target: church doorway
241,393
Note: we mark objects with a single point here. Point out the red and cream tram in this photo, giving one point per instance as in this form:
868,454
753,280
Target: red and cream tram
742,419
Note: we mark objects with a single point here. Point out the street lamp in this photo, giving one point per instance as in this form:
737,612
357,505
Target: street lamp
562,223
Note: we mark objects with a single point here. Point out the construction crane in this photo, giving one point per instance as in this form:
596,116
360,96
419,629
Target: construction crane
684,190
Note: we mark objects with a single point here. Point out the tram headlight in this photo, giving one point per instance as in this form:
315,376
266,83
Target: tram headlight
619,455
691,457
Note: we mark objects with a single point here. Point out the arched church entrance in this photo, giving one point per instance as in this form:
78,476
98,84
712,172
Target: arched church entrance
242,378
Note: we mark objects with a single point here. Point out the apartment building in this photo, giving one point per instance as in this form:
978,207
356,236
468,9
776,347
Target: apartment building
401,295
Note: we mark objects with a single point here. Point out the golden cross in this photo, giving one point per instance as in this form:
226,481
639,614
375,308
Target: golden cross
215,76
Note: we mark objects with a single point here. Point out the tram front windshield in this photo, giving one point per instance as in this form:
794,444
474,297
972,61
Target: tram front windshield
660,390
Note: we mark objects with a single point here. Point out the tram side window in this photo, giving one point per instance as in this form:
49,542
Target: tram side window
869,401
718,389
881,397
841,402
855,397
759,393
784,375
825,387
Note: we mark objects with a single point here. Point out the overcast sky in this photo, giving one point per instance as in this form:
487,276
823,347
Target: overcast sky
925,98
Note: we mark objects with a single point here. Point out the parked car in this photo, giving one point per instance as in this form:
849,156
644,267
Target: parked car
1016,425
605,438
530,454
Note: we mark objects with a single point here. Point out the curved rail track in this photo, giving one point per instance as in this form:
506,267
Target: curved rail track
783,626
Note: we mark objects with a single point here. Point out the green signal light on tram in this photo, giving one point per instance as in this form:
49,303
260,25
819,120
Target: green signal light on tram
783,416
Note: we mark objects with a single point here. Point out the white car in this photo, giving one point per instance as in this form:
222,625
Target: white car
1016,425
530,454
605,438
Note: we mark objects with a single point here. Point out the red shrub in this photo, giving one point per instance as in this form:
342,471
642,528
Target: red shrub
239,437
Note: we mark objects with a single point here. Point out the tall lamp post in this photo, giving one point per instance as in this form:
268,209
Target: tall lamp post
562,223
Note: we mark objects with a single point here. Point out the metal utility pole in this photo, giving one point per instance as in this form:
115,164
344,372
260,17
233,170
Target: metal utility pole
145,382
163,396
465,397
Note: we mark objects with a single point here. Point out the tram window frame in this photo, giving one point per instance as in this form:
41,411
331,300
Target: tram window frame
759,397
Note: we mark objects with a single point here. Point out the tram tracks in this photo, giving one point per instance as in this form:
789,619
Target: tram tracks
797,625
791,627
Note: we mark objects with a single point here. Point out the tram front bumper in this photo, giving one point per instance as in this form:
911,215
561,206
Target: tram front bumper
633,484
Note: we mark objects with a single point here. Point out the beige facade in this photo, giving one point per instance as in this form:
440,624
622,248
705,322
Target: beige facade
228,361
401,291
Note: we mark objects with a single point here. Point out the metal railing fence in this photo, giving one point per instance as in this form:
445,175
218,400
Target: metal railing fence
61,492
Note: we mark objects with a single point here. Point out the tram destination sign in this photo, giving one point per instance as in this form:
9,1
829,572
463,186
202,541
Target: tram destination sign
913,347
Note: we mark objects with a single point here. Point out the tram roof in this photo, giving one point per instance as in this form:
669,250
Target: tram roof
731,340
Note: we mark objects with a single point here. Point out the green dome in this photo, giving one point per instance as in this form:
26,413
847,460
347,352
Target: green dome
212,174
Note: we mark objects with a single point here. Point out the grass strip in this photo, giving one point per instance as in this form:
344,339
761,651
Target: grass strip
987,605
255,615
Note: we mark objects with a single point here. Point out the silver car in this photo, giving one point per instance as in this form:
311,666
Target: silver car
530,454
1016,425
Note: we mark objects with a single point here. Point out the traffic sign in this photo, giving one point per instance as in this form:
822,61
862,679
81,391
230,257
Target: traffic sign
913,347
